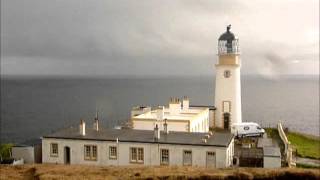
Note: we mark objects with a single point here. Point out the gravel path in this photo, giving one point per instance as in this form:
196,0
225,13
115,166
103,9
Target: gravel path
314,162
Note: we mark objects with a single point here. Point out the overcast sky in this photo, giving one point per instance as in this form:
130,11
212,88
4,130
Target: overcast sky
164,37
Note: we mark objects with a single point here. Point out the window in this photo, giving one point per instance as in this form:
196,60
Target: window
164,156
227,73
211,159
226,106
258,127
54,149
136,155
112,152
90,152
187,158
246,128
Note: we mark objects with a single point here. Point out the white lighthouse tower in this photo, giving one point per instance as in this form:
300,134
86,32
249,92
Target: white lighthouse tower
228,86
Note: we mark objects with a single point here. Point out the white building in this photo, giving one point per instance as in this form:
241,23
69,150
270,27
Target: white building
271,157
137,147
179,117
30,151
228,85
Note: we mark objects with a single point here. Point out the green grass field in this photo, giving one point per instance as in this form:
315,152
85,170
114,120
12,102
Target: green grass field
307,146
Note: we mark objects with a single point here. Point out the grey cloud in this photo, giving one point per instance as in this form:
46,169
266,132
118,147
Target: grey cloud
140,37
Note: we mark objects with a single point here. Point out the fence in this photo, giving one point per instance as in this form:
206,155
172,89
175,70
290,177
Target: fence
287,146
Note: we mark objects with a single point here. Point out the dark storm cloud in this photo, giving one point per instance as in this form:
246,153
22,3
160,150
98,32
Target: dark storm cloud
79,37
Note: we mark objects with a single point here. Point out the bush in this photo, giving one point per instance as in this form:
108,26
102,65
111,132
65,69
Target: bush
5,150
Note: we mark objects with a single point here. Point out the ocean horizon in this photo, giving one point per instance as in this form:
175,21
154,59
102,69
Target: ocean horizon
33,106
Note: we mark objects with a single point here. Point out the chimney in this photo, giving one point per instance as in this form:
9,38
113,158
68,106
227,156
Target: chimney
82,128
96,122
165,127
156,133
174,106
185,103
204,140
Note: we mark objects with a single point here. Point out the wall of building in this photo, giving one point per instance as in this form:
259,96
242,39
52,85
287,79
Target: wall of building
151,153
145,124
228,89
25,152
271,162
211,118
201,122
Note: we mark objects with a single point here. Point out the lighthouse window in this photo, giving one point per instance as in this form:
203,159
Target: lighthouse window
227,73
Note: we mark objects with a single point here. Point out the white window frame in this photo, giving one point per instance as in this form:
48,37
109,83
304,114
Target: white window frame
184,158
90,152
226,105
136,155
164,157
113,152
54,151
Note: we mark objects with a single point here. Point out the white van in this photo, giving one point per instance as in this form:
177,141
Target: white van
246,129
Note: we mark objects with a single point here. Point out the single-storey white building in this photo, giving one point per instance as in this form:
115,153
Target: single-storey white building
29,151
179,117
271,157
95,146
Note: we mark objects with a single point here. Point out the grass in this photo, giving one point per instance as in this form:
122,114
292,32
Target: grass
272,132
52,171
301,165
5,150
306,145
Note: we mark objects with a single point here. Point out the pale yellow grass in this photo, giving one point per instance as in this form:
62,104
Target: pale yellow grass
52,171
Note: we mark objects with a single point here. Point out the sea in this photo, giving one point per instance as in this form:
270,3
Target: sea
35,106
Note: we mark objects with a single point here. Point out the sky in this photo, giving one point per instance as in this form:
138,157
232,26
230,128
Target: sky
156,38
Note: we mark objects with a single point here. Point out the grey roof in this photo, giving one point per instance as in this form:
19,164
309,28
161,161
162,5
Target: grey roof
266,142
271,152
30,142
205,106
222,139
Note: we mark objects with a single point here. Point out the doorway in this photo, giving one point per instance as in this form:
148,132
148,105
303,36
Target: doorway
67,155
226,120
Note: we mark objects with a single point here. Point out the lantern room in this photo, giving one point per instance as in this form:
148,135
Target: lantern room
228,43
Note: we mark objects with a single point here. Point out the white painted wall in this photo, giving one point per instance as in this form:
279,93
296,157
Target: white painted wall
199,123
150,124
228,89
151,153
27,153
211,118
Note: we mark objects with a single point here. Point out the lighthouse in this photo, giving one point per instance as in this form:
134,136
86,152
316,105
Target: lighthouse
228,85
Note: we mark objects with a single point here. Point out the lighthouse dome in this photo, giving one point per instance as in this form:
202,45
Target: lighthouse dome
228,35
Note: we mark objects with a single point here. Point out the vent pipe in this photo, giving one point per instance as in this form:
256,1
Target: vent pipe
165,127
96,122
156,133
82,128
